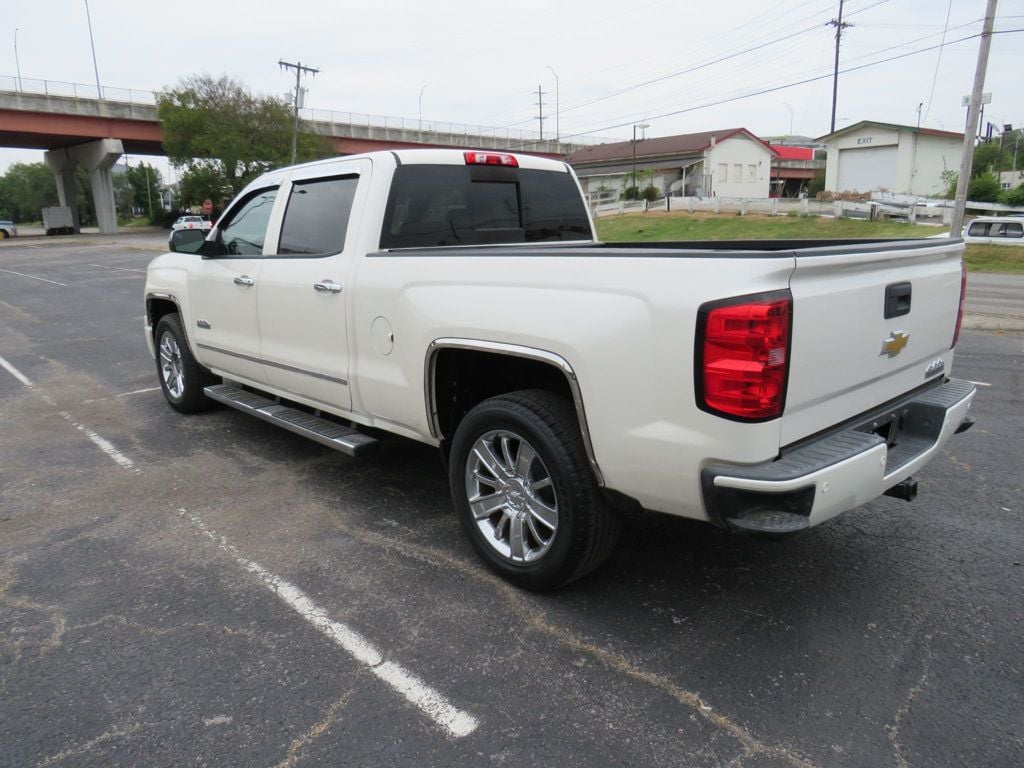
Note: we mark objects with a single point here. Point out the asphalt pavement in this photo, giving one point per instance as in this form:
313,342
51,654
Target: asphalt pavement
210,590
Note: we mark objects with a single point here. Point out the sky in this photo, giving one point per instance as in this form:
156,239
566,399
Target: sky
675,65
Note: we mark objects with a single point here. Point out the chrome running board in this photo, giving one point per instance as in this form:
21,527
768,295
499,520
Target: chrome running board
323,431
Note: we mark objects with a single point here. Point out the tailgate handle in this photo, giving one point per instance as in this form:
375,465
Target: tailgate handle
897,300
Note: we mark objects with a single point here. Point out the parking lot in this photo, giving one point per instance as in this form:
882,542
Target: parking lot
210,590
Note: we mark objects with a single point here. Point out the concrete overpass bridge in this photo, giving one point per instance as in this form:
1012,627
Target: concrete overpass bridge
76,128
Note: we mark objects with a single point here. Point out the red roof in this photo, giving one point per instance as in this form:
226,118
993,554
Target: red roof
683,144
793,153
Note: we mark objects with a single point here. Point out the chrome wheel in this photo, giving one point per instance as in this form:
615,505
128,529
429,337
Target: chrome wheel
511,496
170,365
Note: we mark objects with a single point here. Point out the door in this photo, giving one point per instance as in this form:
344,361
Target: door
303,295
867,169
223,291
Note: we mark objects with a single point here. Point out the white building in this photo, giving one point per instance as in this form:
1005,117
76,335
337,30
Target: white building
1011,179
871,157
727,163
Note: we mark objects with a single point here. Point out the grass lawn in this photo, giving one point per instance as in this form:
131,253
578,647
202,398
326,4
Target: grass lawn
729,226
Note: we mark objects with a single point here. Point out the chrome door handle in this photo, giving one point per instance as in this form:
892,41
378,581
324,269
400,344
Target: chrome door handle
328,286
244,280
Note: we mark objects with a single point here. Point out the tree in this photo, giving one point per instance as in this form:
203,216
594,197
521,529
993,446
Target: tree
1014,196
145,184
984,189
219,125
25,190
203,180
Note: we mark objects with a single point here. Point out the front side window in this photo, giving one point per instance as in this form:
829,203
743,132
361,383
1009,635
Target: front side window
317,216
1005,229
246,230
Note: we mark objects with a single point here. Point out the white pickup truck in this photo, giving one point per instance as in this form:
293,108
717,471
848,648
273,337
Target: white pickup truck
461,299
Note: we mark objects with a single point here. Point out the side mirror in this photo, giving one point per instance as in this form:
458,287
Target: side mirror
187,240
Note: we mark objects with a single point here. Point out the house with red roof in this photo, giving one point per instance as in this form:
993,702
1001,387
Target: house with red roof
726,163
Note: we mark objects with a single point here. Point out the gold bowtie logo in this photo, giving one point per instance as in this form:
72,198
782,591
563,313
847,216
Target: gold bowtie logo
895,343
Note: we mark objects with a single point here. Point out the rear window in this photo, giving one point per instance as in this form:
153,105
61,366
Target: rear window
434,205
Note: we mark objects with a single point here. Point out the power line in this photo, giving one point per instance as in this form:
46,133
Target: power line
938,60
784,86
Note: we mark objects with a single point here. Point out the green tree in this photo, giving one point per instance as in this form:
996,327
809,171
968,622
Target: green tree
145,184
1014,196
25,189
220,124
984,189
203,180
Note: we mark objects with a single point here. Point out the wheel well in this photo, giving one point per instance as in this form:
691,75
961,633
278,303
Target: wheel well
157,308
464,377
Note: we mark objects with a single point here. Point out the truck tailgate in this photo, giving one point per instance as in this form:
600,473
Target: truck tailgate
846,356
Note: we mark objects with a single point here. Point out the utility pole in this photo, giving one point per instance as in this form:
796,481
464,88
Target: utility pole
299,71
967,153
558,128
840,25
540,111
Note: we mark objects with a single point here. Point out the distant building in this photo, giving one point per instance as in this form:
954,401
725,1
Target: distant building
726,163
1011,179
869,157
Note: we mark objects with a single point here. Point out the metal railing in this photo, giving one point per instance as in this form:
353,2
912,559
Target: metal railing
34,86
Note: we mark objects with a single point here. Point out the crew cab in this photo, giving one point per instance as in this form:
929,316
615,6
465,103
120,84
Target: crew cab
462,299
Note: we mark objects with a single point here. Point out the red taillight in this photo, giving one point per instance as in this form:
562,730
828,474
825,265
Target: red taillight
743,356
963,297
491,158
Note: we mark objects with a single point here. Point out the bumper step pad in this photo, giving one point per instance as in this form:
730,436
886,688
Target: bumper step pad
323,431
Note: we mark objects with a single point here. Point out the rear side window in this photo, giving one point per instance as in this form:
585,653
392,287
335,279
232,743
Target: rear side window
317,216
1006,229
436,205
978,229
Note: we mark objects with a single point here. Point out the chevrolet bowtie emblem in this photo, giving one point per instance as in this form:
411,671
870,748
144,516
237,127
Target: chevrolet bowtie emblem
895,343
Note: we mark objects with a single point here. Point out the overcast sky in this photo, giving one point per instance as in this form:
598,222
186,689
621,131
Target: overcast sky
481,62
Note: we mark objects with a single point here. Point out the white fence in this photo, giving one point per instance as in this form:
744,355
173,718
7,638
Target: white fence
937,212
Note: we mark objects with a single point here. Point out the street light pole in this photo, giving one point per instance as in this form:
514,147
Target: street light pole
558,128
641,126
17,63
92,44
786,105
421,108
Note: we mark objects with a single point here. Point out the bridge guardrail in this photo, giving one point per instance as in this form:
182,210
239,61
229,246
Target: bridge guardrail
35,86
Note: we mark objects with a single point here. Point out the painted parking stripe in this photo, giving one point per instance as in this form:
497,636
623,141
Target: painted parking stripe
33,277
97,439
119,269
432,703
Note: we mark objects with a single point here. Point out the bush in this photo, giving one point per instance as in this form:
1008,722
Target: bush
650,194
1014,196
984,189
630,193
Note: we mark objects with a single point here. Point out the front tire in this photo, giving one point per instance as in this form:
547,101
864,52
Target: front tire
181,378
524,491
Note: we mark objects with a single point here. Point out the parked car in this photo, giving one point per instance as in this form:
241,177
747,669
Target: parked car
7,229
995,230
461,299
191,222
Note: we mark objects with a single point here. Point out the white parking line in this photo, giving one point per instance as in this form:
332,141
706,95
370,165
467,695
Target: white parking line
34,277
101,442
429,701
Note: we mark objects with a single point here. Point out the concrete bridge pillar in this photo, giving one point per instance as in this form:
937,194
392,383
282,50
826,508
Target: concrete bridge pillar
63,167
98,157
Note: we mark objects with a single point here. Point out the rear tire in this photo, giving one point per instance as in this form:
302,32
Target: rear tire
181,378
525,493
